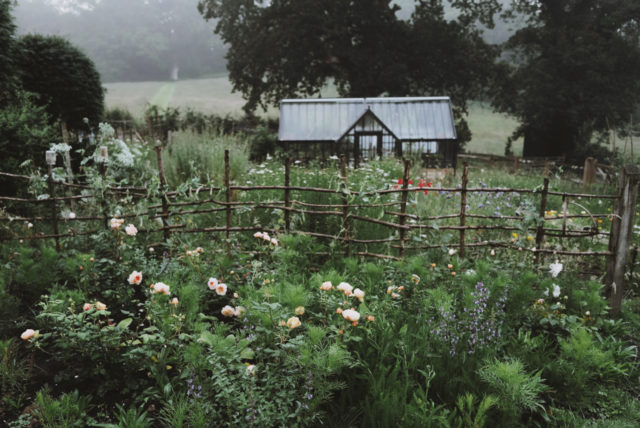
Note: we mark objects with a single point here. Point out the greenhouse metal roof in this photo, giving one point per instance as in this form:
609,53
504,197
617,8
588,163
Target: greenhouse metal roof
329,119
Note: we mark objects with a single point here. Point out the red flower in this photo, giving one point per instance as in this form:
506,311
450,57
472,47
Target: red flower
399,180
421,183
410,182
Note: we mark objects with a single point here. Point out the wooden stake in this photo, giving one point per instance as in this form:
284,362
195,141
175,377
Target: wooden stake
345,209
403,205
227,186
287,195
54,216
165,204
463,206
540,231
621,233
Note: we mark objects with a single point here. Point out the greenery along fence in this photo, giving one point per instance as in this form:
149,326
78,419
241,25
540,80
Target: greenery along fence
403,217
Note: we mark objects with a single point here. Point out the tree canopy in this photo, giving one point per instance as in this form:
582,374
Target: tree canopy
62,78
286,48
573,70
7,48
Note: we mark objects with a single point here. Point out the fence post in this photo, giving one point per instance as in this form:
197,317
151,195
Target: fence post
227,186
589,174
165,204
287,194
463,206
67,165
540,230
403,205
345,205
102,166
50,157
621,232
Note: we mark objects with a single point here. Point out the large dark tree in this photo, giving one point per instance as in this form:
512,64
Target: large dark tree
286,48
572,71
7,49
62,78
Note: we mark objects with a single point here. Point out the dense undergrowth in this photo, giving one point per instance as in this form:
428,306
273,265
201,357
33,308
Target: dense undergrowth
118,330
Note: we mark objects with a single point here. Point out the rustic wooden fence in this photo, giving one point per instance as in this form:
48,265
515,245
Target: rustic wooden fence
166,204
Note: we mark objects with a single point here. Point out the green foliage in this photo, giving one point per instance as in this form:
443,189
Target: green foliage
69,410
587,367
472,415
569,55
25,134
201,157
7,50
517,391
63,78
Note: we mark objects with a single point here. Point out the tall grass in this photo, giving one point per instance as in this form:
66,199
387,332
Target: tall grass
201,156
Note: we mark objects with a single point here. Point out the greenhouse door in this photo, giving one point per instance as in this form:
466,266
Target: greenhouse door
367,145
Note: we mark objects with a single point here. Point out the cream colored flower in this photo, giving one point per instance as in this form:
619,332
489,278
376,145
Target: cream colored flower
135,278
28,334
555,268
101,306
345,287
358,294
351,315
228,311
395,296
174,302
274,242
239,311
299,310
391,288
258,235
293,322
116,223
415,278
131,230
71,215
87,307
371,318
251,370
213,283
161,288
326,286
29,225
266,237
492,252
452,252
221,289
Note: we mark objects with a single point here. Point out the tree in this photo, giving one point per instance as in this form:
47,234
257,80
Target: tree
288,48
7,49
572,71
62,78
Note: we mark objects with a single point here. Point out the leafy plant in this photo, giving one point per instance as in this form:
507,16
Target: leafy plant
517,391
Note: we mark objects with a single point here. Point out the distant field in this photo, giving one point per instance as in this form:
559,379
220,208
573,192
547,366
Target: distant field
213,96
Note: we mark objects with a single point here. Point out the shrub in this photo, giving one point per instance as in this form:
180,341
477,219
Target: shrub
65,79
517,391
